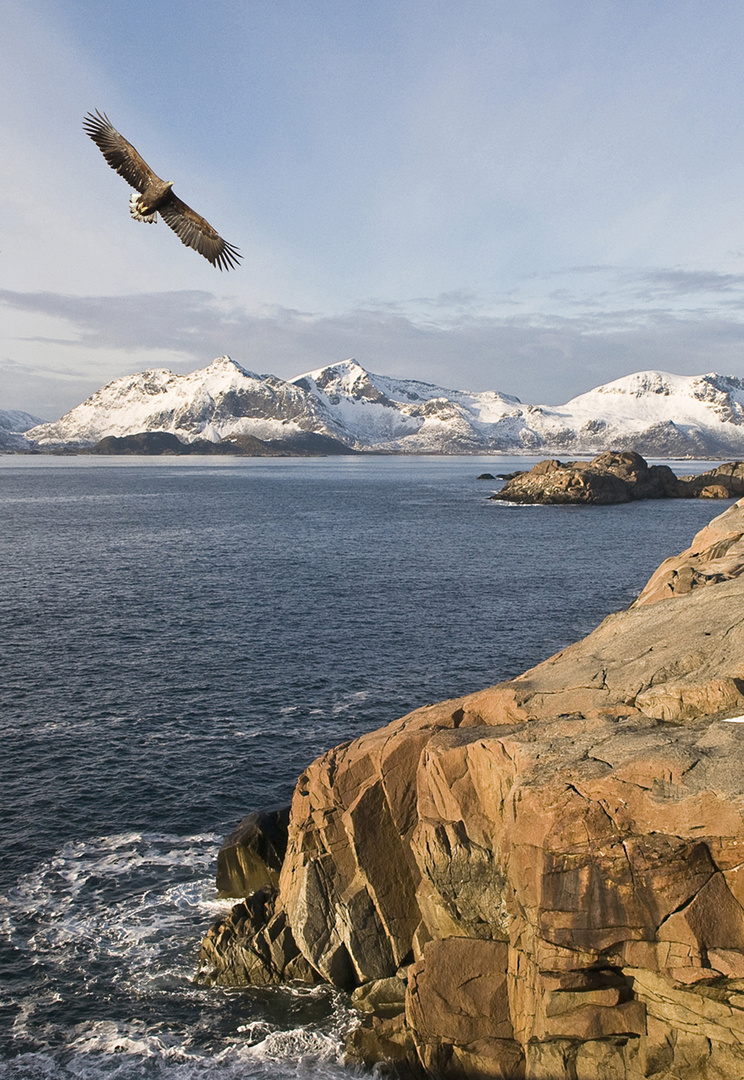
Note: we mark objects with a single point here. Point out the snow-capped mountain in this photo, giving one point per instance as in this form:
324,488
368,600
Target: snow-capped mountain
652,412
382,413
12,425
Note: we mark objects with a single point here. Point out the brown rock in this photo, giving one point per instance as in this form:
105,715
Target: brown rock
725,482
716,554
385,997
458,993
617,477
252,855
252,945
611,477
385,1043
489,1059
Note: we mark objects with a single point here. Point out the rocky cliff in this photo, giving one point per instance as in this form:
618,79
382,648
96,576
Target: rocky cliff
543,880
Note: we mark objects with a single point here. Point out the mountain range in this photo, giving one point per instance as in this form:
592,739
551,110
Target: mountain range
652,412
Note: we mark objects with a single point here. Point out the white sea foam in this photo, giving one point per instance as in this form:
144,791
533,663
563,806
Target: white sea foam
112,901
119,918
295,1046
121,1062
109,1049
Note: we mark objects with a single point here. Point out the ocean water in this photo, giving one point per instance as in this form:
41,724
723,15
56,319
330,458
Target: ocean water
180,638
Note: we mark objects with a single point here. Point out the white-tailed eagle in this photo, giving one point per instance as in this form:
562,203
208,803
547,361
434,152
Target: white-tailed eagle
155,195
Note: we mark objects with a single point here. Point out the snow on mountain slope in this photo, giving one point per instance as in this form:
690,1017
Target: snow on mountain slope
12,425
212,403
653,412
651,396
404,414
660,413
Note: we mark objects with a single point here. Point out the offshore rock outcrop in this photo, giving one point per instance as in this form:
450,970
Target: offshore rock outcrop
543,880
617,477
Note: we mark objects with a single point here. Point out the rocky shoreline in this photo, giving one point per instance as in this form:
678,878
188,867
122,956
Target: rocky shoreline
543,880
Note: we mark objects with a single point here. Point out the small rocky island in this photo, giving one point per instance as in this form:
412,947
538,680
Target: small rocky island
617,477
543,880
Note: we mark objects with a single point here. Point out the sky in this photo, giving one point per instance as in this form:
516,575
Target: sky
534,198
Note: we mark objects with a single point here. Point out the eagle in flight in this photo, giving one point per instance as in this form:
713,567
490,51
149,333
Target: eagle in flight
155,195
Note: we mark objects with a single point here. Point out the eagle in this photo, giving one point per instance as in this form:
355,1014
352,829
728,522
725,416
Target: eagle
156,195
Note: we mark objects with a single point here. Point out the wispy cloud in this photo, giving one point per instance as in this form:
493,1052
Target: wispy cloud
658,283
432,189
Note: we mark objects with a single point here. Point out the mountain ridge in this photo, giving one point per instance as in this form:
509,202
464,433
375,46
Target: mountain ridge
652,412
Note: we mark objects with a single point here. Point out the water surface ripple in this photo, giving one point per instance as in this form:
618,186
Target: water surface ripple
180,639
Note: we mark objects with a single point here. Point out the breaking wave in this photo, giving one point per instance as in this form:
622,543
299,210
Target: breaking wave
102,943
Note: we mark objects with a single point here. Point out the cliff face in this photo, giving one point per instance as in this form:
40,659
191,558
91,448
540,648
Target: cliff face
545,879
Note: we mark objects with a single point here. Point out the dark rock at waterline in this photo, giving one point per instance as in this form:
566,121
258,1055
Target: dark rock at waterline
486,476
612,478
144,442
724,482
252,855
156,443
311,444
253,945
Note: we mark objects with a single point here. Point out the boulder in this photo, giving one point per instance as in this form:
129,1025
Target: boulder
609,478
252,945
715,555
724,482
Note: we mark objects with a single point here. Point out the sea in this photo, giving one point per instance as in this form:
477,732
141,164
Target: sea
180,638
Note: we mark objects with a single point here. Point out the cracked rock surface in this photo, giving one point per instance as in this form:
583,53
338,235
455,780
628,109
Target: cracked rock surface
543,880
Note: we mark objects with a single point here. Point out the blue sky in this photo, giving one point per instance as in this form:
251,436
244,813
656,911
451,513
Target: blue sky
534,197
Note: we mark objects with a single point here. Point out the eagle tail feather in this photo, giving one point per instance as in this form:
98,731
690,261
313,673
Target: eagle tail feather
149,218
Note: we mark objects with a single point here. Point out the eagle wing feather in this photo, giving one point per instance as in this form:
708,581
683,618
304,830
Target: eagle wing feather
195,232
118,151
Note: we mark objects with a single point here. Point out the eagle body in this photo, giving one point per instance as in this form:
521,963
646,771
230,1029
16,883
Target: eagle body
156,195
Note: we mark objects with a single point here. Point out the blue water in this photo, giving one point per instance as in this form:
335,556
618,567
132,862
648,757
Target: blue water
179,639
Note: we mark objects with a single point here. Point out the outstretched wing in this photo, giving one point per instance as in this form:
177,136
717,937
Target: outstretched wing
119,153
195,232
